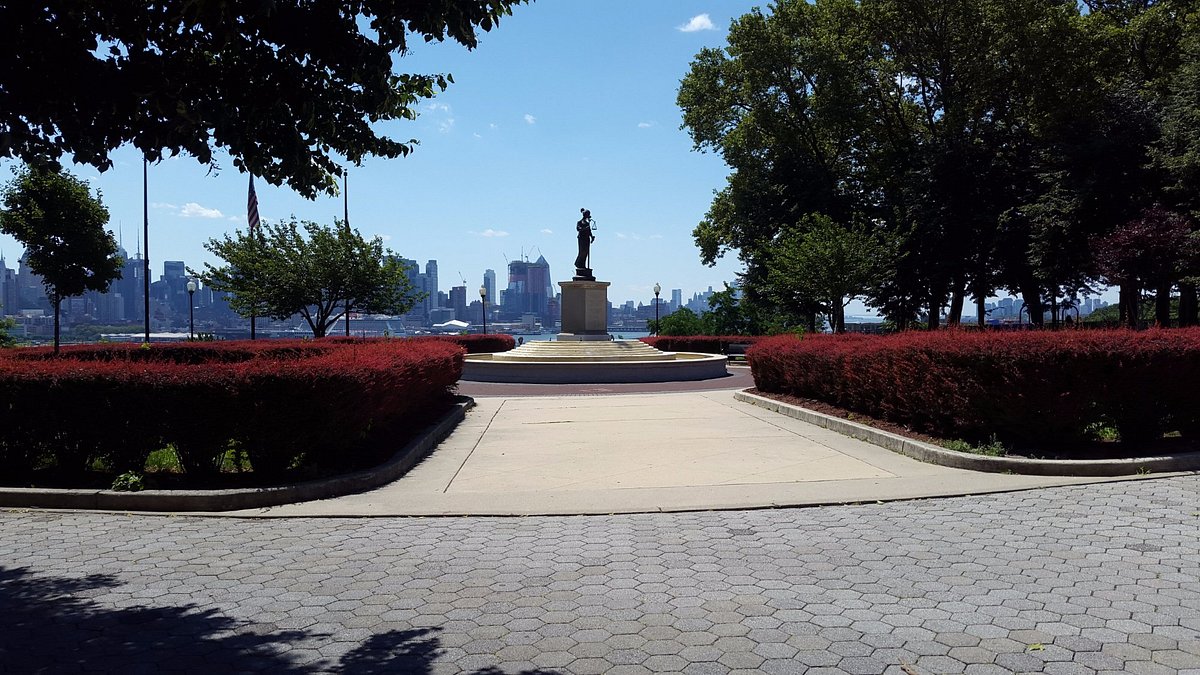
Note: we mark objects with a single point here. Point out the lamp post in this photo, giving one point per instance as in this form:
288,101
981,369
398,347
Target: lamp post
657,290
483,299
191,288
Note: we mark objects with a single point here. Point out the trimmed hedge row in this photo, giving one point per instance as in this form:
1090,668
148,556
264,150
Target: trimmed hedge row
320,405
237,351
1031,389
704,344
476,344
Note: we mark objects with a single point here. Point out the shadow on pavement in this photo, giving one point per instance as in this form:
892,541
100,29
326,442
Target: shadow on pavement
52,625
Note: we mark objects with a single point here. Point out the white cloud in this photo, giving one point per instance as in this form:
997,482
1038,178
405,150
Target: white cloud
546,230
645,125
530,119
237,219
656,236
162,205
194,210
621,235
697,23
443,114
493,233
493,126
476,135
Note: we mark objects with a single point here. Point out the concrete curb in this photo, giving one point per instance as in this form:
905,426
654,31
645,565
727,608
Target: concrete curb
250,498
932,454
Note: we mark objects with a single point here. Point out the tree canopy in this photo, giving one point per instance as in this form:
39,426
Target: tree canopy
61,225
281,85
321,273
987,142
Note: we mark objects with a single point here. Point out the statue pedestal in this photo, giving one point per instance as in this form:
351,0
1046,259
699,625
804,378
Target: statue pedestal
584,311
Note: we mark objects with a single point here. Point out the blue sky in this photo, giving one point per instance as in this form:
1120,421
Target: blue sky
567,104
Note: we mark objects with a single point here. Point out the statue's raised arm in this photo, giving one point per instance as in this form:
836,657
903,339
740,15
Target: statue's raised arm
583,230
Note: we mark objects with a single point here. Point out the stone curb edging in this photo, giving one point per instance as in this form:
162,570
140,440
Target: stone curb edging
245,498
932,454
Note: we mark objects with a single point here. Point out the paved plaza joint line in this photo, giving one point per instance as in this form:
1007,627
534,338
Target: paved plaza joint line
1100,578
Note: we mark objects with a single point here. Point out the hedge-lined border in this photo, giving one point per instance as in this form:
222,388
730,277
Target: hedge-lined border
247,498
1025,389
932,454
703,344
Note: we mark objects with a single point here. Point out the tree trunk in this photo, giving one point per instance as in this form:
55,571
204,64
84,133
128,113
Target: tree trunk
812,322
1188,309
1054,311
1162,306
839,316
1130,305
57,309
957,297
1031,295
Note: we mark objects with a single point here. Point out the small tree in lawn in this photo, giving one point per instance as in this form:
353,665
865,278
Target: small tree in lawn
62,227
826,262
321,274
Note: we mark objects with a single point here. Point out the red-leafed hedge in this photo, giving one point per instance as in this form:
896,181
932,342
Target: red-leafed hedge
1030,389
704,344
287,404
477,344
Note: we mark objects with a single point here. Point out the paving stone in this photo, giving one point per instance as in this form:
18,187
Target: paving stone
1102,577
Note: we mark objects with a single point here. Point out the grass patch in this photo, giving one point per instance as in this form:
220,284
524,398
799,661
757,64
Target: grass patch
993,448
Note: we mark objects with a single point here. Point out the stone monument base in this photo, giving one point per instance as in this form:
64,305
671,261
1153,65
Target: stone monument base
584,310
573,337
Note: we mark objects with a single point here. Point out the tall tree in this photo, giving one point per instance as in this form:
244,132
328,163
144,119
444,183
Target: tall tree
283,85
61,224
1178,150
782,106
320,274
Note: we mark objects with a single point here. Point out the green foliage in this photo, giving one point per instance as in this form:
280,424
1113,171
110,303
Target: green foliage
164,460
6,338
320,274
130,481
727,315
248,78
822,260
61,226
963,146
993,448
682,321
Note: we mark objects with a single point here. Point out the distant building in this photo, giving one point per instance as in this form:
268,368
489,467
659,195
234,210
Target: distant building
9,294
489,283
458,302
529,289
425,284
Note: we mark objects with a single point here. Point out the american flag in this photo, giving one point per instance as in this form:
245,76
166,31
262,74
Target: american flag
252,208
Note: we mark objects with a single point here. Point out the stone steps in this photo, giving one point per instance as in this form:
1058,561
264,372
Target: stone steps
614,350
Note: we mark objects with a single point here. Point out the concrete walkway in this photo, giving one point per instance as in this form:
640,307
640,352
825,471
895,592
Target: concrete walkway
699,450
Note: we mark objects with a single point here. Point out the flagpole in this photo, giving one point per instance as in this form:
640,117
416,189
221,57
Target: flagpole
252,222
346,218
146,246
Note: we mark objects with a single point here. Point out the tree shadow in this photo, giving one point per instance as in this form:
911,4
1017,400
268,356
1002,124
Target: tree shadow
405,651
51,624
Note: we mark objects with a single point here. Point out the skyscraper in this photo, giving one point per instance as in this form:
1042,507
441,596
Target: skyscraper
676,298
489,283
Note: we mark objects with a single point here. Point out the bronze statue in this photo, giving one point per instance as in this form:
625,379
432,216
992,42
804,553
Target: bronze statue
584,231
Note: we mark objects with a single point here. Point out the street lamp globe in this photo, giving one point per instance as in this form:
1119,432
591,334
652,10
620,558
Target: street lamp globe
191,287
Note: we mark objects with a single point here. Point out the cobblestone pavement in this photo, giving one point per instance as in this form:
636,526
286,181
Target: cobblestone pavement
1062,580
